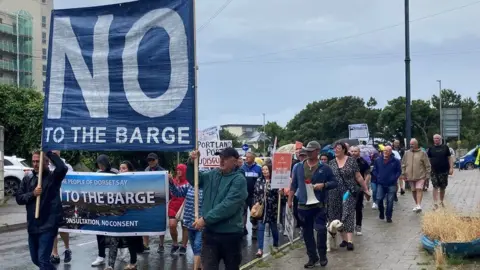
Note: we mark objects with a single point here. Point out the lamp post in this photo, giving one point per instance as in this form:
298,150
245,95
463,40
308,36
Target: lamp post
264,142
440,106
408,108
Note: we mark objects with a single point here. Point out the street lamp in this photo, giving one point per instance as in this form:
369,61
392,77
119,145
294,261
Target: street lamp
440,106
408,108
264,134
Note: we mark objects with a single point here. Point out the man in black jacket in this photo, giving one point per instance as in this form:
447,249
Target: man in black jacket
43,231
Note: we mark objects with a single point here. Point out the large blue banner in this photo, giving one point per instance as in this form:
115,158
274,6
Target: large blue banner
121,77
115,204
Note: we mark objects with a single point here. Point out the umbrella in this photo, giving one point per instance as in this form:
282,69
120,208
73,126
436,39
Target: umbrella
288,148
350,142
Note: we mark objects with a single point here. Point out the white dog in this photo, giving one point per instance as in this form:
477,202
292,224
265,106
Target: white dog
332,229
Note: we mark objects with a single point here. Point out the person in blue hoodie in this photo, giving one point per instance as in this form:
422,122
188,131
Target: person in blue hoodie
313,216
252,172
386,170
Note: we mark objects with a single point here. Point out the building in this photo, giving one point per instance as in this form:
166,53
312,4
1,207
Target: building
248,134
24,32
241,130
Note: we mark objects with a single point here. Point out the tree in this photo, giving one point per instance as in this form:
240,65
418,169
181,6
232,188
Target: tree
327,120
272,130
21,112
227,135
372,102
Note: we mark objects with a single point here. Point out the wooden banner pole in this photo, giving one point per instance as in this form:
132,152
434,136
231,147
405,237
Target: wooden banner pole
39,184
196,107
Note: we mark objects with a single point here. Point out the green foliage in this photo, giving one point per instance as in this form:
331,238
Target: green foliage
227,135
21,112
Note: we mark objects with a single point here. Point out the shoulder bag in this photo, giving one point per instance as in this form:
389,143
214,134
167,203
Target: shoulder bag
258,208
179,215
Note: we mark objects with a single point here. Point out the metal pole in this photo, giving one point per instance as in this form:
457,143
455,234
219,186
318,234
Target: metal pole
408,109
2,182
264,142
440,107
18,52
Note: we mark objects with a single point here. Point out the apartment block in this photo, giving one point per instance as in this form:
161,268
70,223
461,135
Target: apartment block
24,36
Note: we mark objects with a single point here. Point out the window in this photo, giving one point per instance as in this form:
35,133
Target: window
44,83
44,70
44,38
1,74
44,54
1,20
7,163
248,129
44,1
44,21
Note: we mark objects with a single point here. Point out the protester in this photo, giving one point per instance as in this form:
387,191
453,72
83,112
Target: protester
225,192
365,172
442,166
194,235
314,216
267,197
103,165
180,181
252,172
342,201
153,166
43,231
387,170
134,243
55,258
302,155
415,170
324,158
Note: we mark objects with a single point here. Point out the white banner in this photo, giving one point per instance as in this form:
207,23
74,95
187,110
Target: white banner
209,134
289,223
207,150
358,131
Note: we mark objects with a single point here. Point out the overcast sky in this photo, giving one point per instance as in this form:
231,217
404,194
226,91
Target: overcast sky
276,56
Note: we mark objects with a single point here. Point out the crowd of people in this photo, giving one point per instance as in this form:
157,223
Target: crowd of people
340,185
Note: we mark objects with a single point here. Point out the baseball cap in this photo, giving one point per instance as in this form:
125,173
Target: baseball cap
303,151
312,146
152,156
228,152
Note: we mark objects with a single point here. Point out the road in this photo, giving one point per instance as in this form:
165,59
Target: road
14,253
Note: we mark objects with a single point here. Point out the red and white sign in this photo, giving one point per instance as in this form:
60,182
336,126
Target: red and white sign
282,164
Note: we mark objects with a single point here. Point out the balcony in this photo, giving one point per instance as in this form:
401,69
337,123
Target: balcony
11,30
11,65
10,47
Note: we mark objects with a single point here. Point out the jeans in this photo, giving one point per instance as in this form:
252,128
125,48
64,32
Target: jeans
359,209
221,246
195,239
315,218
295,212
388,192
374,191
41,246
261,234
101,244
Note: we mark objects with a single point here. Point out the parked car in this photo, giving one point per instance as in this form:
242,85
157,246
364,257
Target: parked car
467,162
15,169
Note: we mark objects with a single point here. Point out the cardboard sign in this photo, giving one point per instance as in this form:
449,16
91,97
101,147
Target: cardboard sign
282,164
207,149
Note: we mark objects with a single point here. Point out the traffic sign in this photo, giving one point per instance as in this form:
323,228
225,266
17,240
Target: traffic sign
245,147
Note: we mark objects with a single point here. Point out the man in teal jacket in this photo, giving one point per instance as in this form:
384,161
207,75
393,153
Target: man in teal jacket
224,195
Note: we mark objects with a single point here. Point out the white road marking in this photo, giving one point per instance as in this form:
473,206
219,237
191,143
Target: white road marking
86,243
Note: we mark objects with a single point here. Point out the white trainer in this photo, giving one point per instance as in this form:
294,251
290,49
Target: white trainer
98,261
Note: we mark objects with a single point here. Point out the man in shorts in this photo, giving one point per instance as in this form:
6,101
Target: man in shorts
442,167
415,170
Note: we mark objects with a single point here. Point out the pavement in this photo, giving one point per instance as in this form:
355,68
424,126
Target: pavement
12,216
394,246
14,252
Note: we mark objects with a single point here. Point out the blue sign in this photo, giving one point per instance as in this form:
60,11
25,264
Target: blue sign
115,204
245,147
121,77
